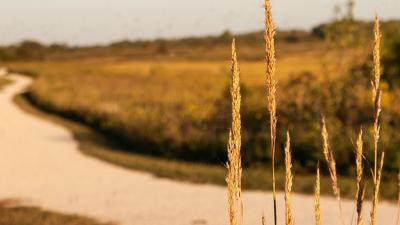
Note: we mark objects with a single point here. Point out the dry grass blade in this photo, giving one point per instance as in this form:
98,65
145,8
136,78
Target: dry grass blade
234,166
330,159
360,183
289,181
377,103
317,200
271,84
375,199
376,92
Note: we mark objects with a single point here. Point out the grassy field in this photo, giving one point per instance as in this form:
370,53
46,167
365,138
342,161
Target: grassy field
180,103
184,105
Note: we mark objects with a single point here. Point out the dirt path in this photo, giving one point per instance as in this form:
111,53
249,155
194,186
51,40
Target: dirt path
40,164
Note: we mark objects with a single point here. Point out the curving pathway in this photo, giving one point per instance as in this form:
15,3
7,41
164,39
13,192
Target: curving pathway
40,164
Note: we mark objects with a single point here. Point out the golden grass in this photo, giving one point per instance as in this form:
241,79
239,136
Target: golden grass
377,172
330,159
233,179
288,182
317,198
234,158
376,92
375,198
360,183
116,88
271,86
327,151
377,103
331,162
124,97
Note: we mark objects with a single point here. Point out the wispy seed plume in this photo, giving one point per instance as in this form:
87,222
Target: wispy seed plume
288,182
271,89
376,91
360,182
233,179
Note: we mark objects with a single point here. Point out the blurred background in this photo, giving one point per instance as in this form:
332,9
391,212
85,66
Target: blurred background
150,79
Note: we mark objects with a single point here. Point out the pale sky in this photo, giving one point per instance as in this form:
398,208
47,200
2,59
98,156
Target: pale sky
82,22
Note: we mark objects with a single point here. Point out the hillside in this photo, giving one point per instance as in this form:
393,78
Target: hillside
196,48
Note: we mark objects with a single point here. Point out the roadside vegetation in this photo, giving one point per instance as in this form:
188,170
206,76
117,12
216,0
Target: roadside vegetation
94,143
154,107
35,216
18,215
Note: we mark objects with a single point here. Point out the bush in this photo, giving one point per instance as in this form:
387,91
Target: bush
391,62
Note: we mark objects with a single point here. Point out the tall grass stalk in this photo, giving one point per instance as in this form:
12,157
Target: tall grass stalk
375,198
288,182
330,160
376,91
360,182
233,179
271,86
234,167
317,198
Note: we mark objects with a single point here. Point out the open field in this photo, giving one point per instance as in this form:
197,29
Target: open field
156,109
179,103
184,103
170,116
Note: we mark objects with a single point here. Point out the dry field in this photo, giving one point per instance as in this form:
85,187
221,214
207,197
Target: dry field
176,101
179,109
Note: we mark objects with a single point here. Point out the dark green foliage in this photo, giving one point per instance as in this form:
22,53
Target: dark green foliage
184,48
391,61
